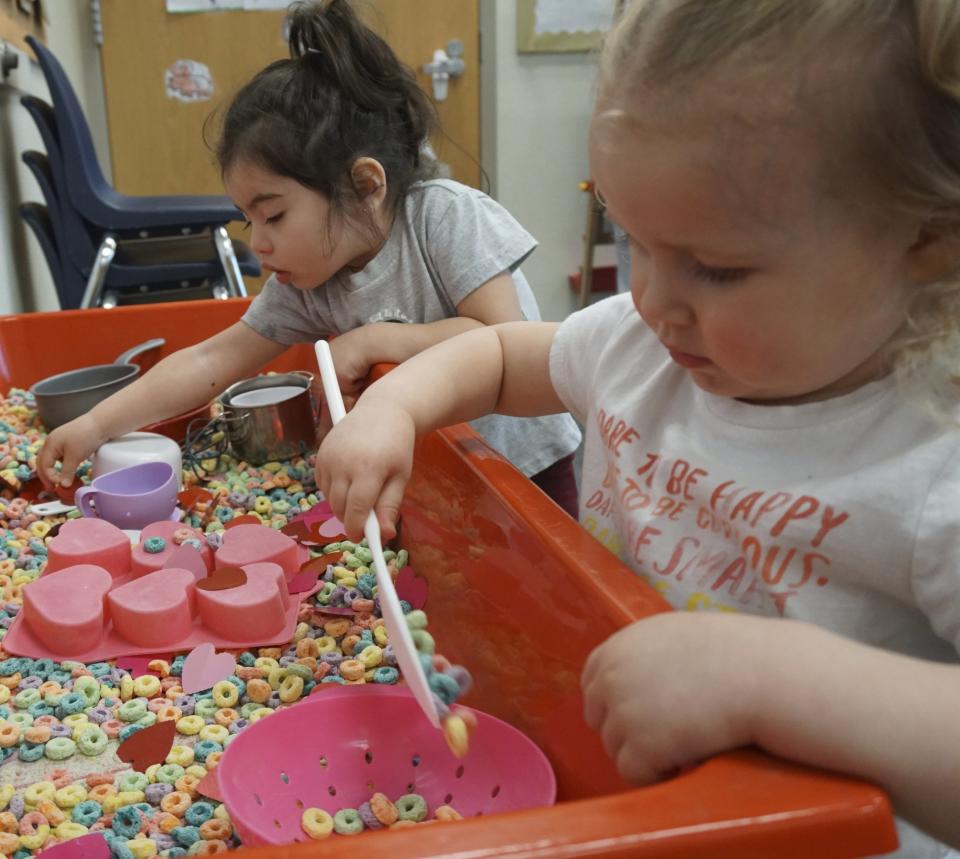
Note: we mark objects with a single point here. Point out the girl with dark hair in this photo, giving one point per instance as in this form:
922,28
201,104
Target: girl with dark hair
324,153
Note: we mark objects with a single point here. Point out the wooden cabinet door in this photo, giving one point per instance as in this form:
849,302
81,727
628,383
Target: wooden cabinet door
156,140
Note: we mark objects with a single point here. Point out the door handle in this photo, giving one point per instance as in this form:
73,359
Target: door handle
447,63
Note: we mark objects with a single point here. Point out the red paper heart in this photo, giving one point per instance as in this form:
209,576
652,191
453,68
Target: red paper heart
321,562
248,519
203,667
148,746
223,579
138,666
189,498
411,588
296,529
92,846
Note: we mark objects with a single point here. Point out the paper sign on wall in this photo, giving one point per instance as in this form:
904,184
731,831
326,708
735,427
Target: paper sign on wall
563,16
202,5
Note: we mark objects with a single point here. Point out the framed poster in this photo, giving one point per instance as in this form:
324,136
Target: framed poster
553,26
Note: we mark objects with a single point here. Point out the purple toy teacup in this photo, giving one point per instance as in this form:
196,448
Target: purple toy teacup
131,497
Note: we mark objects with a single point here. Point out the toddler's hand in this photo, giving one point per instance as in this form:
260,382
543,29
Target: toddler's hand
673,689
70,445
364,463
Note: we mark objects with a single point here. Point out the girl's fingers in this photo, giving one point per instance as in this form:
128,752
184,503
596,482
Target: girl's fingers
388,505
361,496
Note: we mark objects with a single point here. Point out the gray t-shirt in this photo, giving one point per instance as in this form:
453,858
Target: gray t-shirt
447,240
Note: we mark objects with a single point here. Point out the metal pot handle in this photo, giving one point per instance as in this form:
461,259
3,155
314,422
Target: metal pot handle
133,351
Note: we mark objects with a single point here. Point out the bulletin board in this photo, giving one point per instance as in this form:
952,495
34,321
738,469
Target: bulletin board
19,19
557,26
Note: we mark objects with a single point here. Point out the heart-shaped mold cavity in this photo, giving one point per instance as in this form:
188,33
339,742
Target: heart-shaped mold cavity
253,611
73,625
156,609
257,544
89,541
143,562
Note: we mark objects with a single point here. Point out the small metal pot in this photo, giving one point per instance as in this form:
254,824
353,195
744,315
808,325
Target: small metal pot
66,396
261,430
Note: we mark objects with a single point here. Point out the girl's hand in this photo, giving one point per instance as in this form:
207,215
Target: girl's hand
351,358
352,363
364,464
673,689
70,445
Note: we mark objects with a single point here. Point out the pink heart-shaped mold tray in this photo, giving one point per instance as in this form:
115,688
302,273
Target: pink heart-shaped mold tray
100,598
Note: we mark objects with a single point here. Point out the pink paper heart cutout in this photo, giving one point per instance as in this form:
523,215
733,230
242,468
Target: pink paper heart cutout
302,582
209,786
204,666
92,846
319,512
411,588
188,558
332,527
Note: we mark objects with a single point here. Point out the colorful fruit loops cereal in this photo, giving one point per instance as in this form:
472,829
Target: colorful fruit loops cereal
60,723
377,813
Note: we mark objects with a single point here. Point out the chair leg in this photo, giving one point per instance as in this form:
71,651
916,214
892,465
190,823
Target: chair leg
98,274
228,259
220,290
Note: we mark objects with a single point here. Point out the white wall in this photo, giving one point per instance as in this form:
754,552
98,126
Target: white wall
535,109
25,282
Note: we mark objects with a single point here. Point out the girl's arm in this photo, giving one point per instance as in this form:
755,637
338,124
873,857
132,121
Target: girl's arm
355,352
671,690
365,461
181,381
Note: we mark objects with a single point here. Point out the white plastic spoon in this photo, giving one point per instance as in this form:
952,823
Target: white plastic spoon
393,617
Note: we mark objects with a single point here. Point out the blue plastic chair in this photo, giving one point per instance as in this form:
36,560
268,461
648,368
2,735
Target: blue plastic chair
133,263
148,266
37,218
99,204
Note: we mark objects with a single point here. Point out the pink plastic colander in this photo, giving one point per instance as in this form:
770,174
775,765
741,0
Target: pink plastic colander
335,749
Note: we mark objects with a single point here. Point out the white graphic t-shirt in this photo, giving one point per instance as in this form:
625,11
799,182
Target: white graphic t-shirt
842,513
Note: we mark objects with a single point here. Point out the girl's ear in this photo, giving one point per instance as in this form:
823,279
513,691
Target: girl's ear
369,180
933,255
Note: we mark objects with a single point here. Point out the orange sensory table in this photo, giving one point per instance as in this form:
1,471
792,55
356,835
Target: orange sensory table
519,594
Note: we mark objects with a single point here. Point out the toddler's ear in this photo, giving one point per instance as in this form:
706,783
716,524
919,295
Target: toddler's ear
369,180
933,255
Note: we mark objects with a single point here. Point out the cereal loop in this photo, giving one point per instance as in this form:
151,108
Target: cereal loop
384,810
176,802
146,686
347,821
447,812
316,822
225,694
215,828
412,806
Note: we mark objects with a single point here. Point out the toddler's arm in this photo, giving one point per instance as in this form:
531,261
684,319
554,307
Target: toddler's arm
181,381
356,351
365,460
675,688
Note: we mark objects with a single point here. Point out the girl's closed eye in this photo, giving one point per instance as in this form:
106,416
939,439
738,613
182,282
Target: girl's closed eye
273,219
719,274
